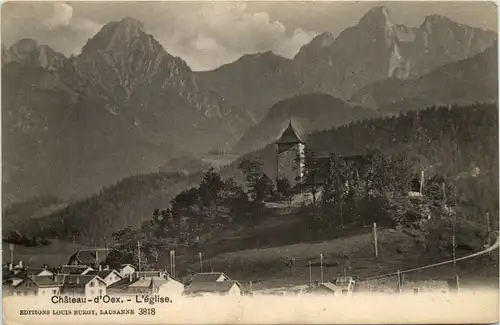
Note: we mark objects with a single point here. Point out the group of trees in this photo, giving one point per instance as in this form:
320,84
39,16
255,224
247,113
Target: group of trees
373,187
196,213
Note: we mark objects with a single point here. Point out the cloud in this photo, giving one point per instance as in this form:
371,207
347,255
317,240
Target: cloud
215,34
203,43
61,14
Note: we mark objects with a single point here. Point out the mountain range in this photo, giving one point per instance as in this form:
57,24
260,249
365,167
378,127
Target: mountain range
373,50
125,106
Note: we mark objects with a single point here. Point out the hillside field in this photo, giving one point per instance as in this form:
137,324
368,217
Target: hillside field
54,255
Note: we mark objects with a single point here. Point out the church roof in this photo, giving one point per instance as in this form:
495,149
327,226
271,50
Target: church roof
289,136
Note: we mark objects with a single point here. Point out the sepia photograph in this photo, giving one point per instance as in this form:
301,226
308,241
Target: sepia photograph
249,162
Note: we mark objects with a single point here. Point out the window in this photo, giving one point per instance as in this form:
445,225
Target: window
100,292
92,283
416,291
54,291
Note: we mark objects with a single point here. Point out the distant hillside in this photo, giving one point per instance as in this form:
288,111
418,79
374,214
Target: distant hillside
254,82
127,203
15,216
309,113
429,135
464,82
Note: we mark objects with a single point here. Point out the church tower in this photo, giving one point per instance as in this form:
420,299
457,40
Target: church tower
290,156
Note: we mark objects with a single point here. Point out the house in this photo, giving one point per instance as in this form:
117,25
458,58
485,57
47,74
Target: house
43,271
82,285
150,274
221,288
109,276
325,288
37,286
126,269
427,286
210,277
75,269
120,287
155,285
89,257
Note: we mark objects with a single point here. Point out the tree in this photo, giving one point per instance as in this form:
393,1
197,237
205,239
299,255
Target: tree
311,170
336,187
259,185
210,186
284,189
262,189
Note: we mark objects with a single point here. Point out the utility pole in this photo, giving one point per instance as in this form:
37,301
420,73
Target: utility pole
201,263
11,248
488,224
422,182
173,262
139,254
375,239
310,274
105,248
321,261
399,282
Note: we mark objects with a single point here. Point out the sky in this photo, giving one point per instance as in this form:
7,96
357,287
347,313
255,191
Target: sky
207,34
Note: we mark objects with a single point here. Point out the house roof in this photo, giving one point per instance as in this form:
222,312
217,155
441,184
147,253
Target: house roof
199,287
289,136
148,282
36,271
78,280
329,286
121,284
125,265
104,273
90,256
73,269
44,281
207,277
152,273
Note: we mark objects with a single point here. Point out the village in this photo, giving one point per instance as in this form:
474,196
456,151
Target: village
84,276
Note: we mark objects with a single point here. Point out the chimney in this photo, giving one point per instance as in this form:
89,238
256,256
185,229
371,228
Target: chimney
77,280
107,267
21,264
130,277
10,266
100,268
45,266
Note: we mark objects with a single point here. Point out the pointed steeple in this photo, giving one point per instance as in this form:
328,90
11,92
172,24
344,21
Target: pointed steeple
289,136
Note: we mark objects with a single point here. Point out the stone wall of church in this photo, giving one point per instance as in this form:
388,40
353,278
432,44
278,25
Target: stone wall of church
291,163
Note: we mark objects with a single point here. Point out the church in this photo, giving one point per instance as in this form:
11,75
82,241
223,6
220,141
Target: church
290,156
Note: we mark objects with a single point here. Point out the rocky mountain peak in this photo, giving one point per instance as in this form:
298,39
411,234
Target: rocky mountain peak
28,52
316,45
376,16
323,40
24,46
124,34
